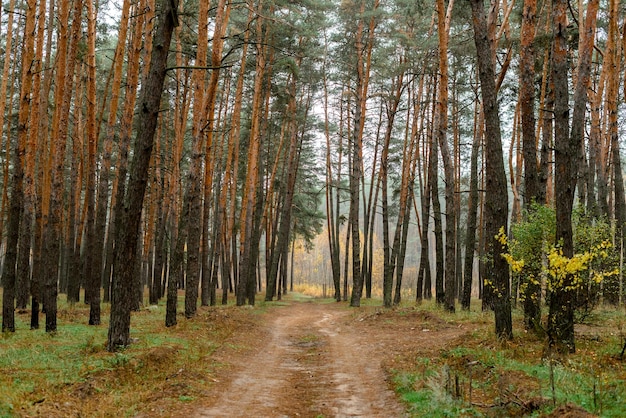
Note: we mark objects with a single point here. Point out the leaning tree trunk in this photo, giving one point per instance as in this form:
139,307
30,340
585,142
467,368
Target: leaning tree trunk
129,227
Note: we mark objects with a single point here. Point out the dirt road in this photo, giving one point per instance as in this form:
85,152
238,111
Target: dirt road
317,360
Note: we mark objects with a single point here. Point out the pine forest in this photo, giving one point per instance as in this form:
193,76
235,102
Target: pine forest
384,156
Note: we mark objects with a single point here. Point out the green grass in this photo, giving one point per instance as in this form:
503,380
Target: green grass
72,368
502,373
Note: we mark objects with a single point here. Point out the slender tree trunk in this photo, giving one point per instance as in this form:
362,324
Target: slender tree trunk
532,288
247,262
53,227
93,278
102,199
424,272
441,128
390,251
221,22
472,212
332,215
17,188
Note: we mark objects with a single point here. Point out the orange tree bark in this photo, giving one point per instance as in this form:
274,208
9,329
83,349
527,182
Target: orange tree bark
25,283
532,295
192,203
97,244
246,284
222,16
39,137
443,27
496,197
17,198
74,236
128,229
92,270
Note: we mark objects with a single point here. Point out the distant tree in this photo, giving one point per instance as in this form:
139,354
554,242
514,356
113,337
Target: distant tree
332,189
472,213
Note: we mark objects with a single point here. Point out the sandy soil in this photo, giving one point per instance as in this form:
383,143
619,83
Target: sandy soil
312,359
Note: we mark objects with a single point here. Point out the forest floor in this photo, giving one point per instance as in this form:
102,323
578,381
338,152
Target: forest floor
308,357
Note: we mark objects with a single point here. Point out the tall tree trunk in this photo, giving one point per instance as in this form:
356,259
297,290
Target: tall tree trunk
391,250
612,63
293,158
496,197
119,183
93,276
74,238
532,288
222,16
247,262
129,227
567,148
424,288
102,199
17,181
441,133
53,227
332,197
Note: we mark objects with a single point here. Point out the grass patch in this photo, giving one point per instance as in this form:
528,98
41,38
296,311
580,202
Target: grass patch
481,376
70,373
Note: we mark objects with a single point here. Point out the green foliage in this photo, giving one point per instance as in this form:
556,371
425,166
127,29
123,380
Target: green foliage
589,233
433,399
534,256
531,236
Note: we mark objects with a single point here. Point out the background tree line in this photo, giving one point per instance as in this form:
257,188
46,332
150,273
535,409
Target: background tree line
185,145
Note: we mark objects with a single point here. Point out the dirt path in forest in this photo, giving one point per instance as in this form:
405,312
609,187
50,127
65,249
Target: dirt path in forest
321,360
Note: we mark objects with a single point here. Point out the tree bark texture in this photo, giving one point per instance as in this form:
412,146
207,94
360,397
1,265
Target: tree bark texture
496,197
129,227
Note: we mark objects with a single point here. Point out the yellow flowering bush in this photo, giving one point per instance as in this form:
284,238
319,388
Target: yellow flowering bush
534,257
578,267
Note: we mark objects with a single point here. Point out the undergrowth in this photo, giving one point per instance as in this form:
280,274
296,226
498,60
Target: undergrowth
481,376
70,373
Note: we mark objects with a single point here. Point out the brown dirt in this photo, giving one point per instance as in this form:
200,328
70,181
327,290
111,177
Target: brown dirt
311,359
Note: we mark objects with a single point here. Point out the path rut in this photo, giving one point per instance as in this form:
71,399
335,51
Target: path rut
313,364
